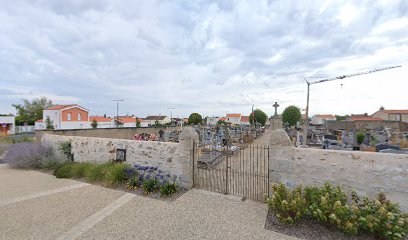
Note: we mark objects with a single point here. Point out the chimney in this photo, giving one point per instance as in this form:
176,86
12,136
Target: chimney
382,108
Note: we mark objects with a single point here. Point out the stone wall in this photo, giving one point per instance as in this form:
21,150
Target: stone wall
363,125
117,133
366,172
173,158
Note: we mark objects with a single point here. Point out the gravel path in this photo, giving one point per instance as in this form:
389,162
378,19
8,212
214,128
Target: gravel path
94,212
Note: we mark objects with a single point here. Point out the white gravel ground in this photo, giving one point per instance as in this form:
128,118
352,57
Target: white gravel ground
195,215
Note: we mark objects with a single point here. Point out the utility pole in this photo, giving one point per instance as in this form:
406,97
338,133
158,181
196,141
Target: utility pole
332,79
117,110
171,114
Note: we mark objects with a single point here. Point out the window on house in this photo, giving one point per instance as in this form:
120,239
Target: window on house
79,117
69,116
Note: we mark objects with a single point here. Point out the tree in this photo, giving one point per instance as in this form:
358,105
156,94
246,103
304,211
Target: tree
341,118
291,115
195,118
138,123
260,117
360,138
94,124
49,124
157,123
221,122
29,112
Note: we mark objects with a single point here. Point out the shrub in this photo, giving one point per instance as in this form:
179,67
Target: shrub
28,155
64,171
360,138
133,183
116,174
329,205
288,206
150,185
79,169
97,172
168,189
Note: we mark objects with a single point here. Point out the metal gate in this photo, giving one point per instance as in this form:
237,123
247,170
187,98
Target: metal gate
232,170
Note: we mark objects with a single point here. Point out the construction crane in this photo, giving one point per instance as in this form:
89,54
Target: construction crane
332,79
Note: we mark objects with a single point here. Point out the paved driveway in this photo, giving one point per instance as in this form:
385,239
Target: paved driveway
34,205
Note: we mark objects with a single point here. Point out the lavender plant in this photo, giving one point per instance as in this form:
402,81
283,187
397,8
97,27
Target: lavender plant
151,179
29,155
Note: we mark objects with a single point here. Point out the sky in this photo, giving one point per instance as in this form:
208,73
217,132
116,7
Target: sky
211,57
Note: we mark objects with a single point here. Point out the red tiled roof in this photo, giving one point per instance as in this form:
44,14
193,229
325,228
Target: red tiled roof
222,119
99,119
155,117
40,120
366,119
59,107
244,118
128,119
396,111
233,115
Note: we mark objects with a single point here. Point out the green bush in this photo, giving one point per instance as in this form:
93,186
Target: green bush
116,174
133,183
150,185
98,172
79,169
288,206
168,189
64,171
330,205
360,138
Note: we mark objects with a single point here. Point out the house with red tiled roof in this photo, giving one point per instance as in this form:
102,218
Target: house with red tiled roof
245,120
392,115
320,119
103,122
234,118
70,116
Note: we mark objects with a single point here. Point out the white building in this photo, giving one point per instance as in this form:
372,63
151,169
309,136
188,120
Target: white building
321,119
234,118
245,120
65,117
151,120
212,120
7,125
103,122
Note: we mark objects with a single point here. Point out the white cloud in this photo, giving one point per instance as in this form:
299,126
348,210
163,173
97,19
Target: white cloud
207,56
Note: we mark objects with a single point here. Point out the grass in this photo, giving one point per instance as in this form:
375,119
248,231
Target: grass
11,140
109,173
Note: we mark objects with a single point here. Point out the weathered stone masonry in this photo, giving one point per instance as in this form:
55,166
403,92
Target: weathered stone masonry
366,172
170,157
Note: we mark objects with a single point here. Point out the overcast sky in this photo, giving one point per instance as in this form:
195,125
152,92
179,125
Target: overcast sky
211,57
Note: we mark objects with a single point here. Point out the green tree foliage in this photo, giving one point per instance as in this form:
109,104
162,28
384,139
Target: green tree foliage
341,118
260,117
31,111
360,138
221,122
94,123
49,124
291,115
138,123
195,118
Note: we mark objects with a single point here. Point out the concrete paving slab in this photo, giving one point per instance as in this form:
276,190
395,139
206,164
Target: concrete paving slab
196,215
50,216
16,182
